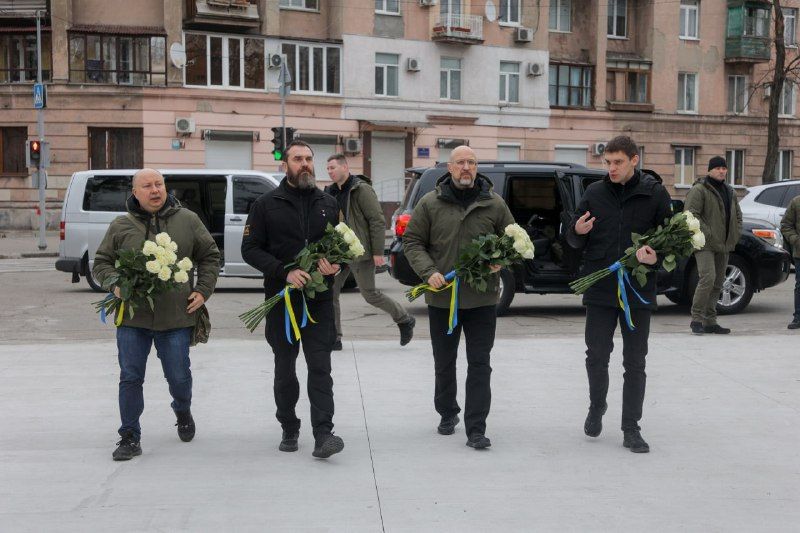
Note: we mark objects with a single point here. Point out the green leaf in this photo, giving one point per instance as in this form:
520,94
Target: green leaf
641,278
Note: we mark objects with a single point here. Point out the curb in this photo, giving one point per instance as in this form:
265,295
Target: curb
27,255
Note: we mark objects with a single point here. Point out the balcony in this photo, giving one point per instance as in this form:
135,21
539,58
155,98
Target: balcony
231,13
465,29
747,39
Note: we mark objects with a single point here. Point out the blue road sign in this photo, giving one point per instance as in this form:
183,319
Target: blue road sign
39,96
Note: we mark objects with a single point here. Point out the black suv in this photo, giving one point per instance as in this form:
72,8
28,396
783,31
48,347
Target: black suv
543,196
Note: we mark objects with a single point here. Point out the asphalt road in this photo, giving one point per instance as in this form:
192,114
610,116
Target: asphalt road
42,305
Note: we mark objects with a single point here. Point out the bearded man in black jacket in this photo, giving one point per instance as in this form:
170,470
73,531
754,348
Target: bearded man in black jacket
627,201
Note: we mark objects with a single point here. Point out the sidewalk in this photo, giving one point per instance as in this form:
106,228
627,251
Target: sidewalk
15,244
721,416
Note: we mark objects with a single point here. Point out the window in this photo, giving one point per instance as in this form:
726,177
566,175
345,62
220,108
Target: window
106,193
387,6
737,94
684,165
783,167
560,11
246,191
450,79
450,7
756,21
787,104
510,11
617,17
688,20
386,74
570,85
311,5
509,82
18,57
315,68
116,148
12,150
117,59
789,26
629,81
687,92
735,159
225,61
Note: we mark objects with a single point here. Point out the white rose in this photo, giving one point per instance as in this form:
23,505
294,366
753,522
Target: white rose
698,240
185,264
165,273
512,230
357,250
149,248
173,246
528,253
171,257
349,237
154,267
163,258
693,225
341,227
181,276
520,247
162,239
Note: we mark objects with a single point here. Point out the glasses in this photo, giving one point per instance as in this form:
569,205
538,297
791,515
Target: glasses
465,163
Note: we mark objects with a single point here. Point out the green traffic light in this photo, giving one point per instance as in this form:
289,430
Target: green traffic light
277,155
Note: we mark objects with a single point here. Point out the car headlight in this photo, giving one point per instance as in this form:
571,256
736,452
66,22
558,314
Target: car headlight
772,236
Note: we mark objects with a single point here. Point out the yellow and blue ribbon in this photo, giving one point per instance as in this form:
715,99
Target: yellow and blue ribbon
289,318
120,311
622,295
454,283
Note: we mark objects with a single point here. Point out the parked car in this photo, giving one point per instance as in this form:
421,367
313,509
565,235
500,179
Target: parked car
221,198
769,201
543,196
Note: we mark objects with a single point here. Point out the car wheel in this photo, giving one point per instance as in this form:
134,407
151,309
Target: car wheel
90,279
737,289
507,287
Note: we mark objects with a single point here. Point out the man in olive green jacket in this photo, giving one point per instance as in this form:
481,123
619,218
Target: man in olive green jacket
362,212
714,204
170,324
461,208
790,228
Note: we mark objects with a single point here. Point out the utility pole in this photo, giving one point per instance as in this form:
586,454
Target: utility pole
41,171
285,83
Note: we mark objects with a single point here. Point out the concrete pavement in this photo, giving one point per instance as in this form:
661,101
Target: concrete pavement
16,244
721,416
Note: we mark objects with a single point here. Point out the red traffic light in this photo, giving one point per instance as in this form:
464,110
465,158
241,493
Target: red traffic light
36,147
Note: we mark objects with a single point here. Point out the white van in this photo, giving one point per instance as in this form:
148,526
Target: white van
221,198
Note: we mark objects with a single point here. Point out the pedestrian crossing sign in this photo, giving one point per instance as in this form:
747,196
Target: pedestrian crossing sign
39,96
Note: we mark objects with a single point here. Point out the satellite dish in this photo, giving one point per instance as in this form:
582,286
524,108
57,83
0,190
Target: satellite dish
177,54
491,11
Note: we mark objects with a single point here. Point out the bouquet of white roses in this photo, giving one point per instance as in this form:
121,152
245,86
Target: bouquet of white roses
338,245
676,239
473,266
141,274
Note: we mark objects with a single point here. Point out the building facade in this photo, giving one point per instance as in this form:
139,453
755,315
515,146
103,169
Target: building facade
393,84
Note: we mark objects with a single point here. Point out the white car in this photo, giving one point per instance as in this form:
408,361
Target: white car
769,201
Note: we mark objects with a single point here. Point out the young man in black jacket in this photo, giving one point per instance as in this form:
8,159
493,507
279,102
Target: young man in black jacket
626,201
280,224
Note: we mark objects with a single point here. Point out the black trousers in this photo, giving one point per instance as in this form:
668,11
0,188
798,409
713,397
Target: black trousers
479,329
317,340
601,322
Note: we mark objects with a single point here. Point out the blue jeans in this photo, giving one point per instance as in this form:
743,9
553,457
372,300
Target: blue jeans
172,348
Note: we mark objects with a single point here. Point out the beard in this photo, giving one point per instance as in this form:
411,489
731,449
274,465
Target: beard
464,181
302,180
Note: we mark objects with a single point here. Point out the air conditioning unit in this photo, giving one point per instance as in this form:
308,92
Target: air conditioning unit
523,35
352,145
535,69
275,61
599,148
184,125
413,64
427,3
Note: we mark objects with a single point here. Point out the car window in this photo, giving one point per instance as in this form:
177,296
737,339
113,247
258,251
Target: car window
791,192
106,193
772,196
246,190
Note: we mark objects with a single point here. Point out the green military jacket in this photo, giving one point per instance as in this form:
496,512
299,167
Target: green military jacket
365,217
441,227
707,205
790,226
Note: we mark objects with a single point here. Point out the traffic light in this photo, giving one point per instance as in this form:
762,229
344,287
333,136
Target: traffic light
34,153
280,140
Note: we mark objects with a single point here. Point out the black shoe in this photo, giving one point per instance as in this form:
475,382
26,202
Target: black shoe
697,328
448,425
716,328
327,446
407,330
633,440
127,448
594,421
478,441
794,324
289,441
185,425
337,346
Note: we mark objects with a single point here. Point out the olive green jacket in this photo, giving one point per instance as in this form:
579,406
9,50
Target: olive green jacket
365,217
790,226
441,227
707,206
193,240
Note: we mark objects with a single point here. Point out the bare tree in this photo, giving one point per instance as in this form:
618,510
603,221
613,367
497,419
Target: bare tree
779,75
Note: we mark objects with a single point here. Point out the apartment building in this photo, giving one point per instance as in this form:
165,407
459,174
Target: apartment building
391,83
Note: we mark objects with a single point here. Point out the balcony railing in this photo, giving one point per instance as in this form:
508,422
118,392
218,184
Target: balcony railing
242,13
458,29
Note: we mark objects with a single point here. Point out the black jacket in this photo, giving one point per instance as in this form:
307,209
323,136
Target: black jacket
280,224
619,210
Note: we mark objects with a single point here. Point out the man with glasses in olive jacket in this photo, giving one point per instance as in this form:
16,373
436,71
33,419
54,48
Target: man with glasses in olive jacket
462,207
